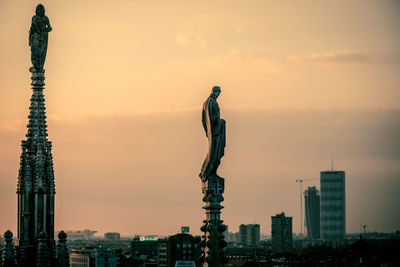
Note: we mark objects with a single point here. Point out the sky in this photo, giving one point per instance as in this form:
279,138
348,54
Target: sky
302,82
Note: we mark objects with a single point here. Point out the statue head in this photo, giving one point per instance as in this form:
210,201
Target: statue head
40,10
216,91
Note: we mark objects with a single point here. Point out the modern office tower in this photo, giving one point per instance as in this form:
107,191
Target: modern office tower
333,205
249,234
281,232
243,235
254,234
312,212
112,236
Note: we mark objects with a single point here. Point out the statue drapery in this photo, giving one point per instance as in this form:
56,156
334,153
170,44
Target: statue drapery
38,37
214,128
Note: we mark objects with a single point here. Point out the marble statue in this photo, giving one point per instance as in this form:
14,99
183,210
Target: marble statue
214,127
38,37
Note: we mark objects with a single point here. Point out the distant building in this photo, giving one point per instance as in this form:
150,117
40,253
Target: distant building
93,257
80,234
230,237
281,232
81,259
112,236
185,229
162,253
183,248
312,212
249,234
333,205
185,264
144,246
178,250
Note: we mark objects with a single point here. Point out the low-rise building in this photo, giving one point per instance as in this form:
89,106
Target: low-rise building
112,236
144,246
93,257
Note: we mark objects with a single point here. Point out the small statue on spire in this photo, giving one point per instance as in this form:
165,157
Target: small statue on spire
38,37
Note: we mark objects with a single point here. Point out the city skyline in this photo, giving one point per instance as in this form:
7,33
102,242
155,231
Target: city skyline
124,110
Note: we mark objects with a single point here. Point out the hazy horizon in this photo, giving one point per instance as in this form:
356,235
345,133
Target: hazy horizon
113,192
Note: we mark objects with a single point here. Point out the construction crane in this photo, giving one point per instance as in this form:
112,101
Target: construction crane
301,202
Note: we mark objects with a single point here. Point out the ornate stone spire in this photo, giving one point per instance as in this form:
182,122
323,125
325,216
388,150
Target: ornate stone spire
37,127
36,187
213,185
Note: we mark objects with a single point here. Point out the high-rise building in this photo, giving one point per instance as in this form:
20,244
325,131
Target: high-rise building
249,234
312,212
281,232
333,205
243,234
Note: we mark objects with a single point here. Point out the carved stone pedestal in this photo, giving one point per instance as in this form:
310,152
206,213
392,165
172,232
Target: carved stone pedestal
213,242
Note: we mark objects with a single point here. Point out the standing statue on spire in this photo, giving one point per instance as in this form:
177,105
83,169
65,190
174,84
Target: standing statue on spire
214,127
213,243
38,37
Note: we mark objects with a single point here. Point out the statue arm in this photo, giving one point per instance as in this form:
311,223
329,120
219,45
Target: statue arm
203,120
214,111
48,26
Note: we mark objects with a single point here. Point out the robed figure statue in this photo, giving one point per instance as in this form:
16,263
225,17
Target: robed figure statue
214,127
38,37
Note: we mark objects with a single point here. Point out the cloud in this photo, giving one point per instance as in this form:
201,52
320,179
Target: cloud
11,126
190,38
201,30
335,58
245,62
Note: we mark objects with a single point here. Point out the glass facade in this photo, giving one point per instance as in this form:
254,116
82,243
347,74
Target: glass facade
312,212
333,205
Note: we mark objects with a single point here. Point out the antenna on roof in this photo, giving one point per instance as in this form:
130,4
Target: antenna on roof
332,163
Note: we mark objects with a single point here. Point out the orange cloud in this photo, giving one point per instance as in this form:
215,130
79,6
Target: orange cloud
335,58
245,62
190,38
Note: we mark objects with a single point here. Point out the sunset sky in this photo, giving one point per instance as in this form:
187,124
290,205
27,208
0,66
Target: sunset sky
302,82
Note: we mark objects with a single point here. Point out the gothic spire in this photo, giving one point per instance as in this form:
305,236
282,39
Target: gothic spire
35,189
37,126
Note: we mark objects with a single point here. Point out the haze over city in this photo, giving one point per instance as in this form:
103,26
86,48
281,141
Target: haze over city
302,82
